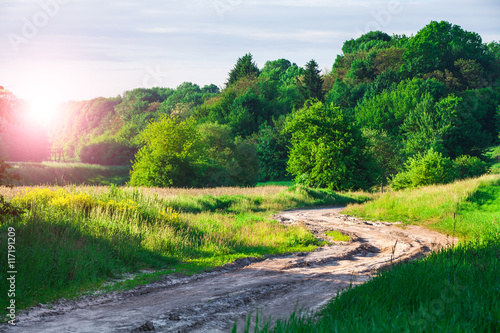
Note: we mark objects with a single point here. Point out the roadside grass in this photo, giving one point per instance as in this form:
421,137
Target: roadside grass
73,239
465,208
454,290
70,173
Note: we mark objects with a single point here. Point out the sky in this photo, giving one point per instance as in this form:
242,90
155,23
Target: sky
62,50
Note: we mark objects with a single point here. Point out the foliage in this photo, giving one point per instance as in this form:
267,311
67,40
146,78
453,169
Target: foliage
469,167
327,149
366,42
422,170
228,162
7,177
109,152
313,83
177,153
388,110
438,45
272,150
245,67
246,105
386,152
10,104
170,155
8,210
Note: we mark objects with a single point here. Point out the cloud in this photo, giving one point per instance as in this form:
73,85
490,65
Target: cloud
197,41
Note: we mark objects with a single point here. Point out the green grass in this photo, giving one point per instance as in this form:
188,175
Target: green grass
467,209
454,290
338,236
54,173
277,183
71,240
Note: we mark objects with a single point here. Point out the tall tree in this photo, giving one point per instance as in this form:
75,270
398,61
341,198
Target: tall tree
438,45
328,150
245,67
313,82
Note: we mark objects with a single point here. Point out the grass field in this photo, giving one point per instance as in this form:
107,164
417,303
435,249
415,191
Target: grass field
53,173
455,290
70,240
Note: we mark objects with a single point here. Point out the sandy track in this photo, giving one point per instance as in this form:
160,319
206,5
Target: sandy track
212,302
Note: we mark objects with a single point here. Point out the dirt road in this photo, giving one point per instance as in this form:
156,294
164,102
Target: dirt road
212,302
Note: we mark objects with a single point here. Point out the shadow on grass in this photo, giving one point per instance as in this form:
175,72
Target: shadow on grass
56,259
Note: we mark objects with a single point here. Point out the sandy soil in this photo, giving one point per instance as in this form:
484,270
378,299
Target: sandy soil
212,302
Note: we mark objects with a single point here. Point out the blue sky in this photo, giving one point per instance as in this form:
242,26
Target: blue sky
80,49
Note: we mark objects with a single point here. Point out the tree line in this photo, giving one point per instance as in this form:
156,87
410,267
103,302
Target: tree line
393,110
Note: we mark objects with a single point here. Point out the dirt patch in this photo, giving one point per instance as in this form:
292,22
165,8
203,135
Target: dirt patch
213,302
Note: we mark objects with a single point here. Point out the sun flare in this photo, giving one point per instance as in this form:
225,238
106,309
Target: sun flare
42,110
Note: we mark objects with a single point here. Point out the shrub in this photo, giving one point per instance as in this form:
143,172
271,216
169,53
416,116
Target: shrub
422,170
470,167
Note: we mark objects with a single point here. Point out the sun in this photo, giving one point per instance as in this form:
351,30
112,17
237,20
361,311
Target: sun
42,109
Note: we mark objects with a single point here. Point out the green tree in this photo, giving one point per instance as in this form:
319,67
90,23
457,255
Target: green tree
276,69
272,150
313,83
170,156
386,153
388,110
228,161
366,42
327,150
245,67
179,153
439,44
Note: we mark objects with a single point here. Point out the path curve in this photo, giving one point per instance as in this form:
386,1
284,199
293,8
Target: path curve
211,302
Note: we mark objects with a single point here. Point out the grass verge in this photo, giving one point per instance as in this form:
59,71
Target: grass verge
71,240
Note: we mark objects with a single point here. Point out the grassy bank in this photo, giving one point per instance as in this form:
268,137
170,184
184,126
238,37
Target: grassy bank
455,290
467,209
70,173
71,240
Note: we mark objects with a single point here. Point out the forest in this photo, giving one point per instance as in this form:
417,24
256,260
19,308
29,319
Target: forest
393,110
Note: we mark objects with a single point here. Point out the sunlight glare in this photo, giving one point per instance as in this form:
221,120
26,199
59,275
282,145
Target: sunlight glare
42,109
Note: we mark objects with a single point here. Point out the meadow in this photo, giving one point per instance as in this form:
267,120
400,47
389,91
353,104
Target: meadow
454,290
76,173
71,240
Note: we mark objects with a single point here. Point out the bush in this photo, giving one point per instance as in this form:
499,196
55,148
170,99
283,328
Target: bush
470,167
422,170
